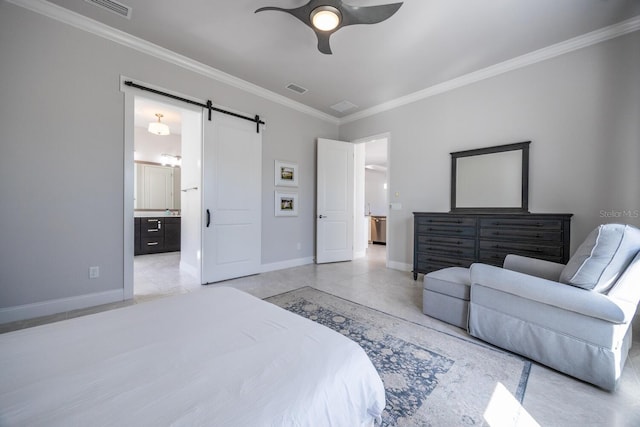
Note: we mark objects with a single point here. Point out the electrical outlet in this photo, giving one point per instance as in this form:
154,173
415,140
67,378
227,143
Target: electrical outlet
94,272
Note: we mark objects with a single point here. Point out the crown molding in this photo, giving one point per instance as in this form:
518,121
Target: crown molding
99,29
81,22
570,45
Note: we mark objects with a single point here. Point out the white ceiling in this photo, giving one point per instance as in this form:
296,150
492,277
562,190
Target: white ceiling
425,43
146,110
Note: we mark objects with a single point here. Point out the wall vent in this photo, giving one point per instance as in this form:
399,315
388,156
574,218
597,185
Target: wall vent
294,87
112,6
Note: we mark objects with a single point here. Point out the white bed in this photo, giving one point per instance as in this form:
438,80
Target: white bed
216,357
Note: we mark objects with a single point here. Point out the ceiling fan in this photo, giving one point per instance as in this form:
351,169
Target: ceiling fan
325,17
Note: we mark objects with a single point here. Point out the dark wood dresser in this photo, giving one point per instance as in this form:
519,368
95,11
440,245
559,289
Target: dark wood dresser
443,240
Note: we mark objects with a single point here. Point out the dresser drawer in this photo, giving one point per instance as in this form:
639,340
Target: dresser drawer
427,241
522,223
497,257
520,233
427,259
525,249
451,251
151,245
447,230
445,220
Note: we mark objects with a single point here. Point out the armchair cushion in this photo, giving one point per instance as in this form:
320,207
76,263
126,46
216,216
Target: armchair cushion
534,267
602,257
549,293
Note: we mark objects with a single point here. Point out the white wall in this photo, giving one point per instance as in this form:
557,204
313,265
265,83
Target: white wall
375,193
191,200
61,121
150,147
581,111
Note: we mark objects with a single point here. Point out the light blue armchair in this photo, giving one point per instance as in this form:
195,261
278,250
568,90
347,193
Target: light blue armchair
574,318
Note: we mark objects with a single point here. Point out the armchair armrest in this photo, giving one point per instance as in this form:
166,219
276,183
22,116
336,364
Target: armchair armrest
548,292
534,267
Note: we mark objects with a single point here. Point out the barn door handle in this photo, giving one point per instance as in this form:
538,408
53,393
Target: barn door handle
208,218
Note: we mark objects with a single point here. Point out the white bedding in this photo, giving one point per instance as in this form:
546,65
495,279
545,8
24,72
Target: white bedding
216,357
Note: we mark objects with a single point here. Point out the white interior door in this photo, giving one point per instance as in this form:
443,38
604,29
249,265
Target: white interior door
335,201
232,171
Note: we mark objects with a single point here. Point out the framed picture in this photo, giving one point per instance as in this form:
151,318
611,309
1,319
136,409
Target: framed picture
286,204
286,174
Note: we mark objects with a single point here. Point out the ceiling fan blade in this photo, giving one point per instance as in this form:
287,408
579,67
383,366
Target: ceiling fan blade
302,12
352,15
323,43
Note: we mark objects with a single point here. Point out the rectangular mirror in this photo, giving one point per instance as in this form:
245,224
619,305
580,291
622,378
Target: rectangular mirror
491,179
157,187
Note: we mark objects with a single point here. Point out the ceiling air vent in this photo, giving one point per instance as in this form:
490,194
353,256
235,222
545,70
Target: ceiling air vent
298,89
112,6
343,106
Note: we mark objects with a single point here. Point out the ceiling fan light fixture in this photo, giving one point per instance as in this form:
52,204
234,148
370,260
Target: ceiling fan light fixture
325,18
158,128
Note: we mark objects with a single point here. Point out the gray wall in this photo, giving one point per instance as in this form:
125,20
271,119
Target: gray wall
61,139
580,110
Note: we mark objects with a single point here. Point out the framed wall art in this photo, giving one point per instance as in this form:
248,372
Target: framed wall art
286,203
286,174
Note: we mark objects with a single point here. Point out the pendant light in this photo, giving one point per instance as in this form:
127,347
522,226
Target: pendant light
158,128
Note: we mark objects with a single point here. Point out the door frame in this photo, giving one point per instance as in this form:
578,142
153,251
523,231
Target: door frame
130,94
387,136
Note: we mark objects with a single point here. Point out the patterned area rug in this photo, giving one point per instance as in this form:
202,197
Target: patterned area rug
431,378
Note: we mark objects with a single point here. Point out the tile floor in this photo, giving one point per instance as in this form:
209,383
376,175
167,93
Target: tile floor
551,398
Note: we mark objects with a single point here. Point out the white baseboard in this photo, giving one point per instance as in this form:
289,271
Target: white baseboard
360,254
399,266
190,269
47,308
286,264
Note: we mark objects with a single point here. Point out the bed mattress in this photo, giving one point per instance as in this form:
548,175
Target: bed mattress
217,357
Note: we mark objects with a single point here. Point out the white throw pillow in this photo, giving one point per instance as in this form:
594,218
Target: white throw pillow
602,257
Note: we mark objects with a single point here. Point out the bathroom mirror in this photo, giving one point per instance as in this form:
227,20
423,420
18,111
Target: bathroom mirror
491,179
157,187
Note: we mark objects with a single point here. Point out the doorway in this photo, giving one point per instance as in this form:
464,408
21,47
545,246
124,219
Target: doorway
372,192
166,198
350,217
189,126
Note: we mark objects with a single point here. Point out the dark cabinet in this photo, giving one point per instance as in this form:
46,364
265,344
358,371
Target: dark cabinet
458,240
157,234
171,234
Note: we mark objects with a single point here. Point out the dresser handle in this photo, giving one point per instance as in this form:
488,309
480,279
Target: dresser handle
440,221
458,242
152,243
536,250
449,251
519,224
439,260
451,231
153,230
